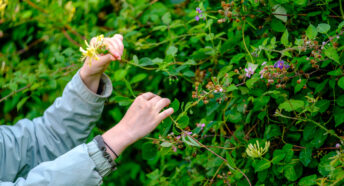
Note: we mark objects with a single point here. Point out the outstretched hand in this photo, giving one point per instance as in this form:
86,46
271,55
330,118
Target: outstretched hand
142,117
92,70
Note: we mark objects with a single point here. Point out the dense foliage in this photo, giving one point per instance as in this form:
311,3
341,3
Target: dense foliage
257,85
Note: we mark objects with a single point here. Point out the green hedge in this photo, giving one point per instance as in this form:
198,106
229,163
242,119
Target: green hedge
240,74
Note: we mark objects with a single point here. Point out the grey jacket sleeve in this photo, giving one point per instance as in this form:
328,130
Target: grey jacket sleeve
83,165
64,125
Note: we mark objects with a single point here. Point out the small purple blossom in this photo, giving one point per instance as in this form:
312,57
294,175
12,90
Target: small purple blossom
189,133
178,137
264,63
337,145
199,10
174,148
201,125
281,64
197,18
262,73
249,72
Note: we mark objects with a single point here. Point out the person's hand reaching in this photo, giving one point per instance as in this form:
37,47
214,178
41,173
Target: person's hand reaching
142,117
91,71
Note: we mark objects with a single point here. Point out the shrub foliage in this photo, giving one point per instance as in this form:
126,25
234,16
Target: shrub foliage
257,85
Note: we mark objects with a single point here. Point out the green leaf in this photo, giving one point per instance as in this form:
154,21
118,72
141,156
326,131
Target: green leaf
251,82
308,180
189,73
260,165
138,78
272,131
145,61
21,103
340,100
120,74
175,105
311,32
332,54
278,156
341,82
148,151
291,105
323,105
183,121
284,39
231,88
337,72
320,86
300,2
166,18
166,144
279,9
186,139
338,116
235,59
308,132
306,156
289,173
323,28
171,51
235,117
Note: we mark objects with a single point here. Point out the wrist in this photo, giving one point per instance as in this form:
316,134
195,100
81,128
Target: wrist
118,139
91,81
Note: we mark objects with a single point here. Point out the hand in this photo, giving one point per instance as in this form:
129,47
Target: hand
91,74
142,117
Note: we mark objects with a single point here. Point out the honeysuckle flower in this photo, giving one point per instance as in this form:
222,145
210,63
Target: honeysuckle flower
249,71
3,4
281,64
92,50
255,151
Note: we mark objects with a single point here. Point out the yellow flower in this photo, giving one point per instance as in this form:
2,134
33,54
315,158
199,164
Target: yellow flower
3,4
92,49
255,151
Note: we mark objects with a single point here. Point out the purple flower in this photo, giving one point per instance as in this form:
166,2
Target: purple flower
199,10
337,145
178,137
281,64
249,72
262,73
264,63
201,125
197,18
189,133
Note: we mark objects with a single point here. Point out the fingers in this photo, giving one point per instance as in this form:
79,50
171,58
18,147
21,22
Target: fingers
148,95
119,44
162,103
119,36
112,47
155,100
165,114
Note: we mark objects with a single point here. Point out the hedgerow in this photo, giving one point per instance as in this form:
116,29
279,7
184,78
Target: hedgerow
256,85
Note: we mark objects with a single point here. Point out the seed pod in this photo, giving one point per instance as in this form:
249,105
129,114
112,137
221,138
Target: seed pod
252,16
229,14
298,81
221,12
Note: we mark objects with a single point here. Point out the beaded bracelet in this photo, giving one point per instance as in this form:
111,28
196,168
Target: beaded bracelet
102,146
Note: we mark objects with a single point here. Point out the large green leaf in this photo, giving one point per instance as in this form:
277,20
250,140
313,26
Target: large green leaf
323,28
291,105
260,165
311,32
280,12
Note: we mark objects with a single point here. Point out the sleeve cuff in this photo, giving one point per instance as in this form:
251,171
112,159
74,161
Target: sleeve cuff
87,94
102,164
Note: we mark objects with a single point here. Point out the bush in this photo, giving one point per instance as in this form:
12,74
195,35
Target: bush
257,85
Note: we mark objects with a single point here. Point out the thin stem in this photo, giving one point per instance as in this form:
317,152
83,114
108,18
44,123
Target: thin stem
243,39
